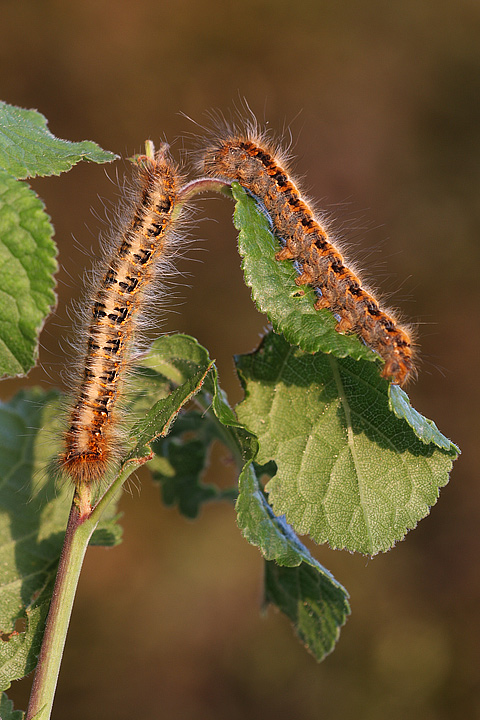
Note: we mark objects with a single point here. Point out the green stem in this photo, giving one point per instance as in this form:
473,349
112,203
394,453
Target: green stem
82,522
128,467
78,533
196,187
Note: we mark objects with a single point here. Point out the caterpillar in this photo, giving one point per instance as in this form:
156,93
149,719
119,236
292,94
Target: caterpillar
249,158
142,247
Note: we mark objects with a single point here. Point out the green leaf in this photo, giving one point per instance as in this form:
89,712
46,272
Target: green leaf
173,362
181,460
173,370
27,266
295,582
261,527
6,709
349,471
289,308
424,429
109,533
20,650
314,603
317,608
242,443
33,517
28,148
30,530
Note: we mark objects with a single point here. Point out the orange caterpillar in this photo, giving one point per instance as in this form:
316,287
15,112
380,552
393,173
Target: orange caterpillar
143,245
249,159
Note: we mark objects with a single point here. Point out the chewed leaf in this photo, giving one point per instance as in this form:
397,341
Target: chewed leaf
312,600
306,592
175,370
289,308
349,471
181,460
27,267
295,582
170,374
28,148
20,650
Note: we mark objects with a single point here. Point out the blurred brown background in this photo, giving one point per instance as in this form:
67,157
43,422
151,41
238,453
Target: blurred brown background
383,103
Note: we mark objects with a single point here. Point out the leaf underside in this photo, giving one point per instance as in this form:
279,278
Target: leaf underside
315,603
289,308
350,472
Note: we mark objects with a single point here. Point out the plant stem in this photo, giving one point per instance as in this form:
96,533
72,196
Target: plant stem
82,522
77,536
202,185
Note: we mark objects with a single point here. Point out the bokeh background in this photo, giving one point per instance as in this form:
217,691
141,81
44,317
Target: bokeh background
383,102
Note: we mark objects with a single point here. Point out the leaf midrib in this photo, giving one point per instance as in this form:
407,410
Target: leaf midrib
351,445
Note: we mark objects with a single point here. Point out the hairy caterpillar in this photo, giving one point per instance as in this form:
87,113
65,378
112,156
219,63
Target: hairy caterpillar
144,245
250,159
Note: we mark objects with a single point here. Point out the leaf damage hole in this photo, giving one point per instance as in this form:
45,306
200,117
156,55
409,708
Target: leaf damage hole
20,627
